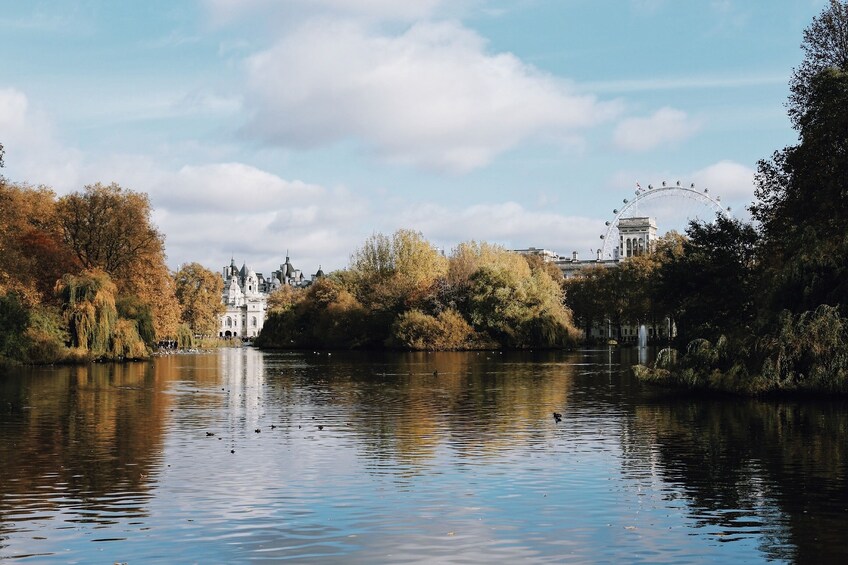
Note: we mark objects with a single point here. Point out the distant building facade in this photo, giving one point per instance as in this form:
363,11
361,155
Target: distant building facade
245,296
637,236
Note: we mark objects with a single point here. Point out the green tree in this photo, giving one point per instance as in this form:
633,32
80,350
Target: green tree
90,312
135,309
710,288
520,311
199,292
586,299
625,294
88,306
14,319
803,205
825,47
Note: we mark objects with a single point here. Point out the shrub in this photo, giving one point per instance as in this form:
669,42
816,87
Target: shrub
416,330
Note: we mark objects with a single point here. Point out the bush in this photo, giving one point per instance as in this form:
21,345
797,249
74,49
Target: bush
185,337
126,343
45,338
809,351
416,330
14,319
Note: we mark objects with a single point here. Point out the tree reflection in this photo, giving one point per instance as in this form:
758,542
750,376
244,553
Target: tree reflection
777,467
405,407
84,440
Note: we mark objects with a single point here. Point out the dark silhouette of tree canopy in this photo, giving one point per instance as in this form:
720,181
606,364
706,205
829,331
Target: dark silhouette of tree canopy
709,288
825,46
802,191
802,204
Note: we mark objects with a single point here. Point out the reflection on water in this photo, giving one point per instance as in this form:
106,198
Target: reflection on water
240,455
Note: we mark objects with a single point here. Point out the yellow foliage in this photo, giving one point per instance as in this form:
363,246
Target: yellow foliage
468,257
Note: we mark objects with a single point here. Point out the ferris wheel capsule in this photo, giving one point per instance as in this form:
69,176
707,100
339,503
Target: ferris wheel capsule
615,211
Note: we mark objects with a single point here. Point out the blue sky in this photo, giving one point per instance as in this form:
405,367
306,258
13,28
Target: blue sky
260,126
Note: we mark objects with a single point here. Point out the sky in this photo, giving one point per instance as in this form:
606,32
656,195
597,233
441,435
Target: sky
265,127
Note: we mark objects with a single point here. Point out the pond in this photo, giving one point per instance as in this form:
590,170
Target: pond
240,455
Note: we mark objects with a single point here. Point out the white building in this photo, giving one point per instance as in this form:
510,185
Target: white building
246,293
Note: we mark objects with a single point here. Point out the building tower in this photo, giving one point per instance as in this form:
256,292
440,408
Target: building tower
637,236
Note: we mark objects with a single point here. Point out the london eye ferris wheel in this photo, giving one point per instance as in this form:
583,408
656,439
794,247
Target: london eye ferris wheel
672,206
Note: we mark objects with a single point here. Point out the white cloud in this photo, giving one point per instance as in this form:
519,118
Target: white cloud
507,223
214,211
732,181
207,212
429,97
232,187
32,151
666,125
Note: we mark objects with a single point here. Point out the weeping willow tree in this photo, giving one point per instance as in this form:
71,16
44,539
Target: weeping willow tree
89,310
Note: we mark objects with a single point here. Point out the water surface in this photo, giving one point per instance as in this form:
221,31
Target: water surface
241,456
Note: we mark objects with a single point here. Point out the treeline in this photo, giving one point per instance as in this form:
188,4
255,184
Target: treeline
765,307
401,292
84,277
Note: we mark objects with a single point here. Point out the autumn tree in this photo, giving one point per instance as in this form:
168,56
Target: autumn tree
91,314
34,254
326,315
285,298
109,228
199,291
402,292
392,270
469,256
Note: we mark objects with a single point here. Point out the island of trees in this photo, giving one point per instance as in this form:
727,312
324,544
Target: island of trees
401,292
